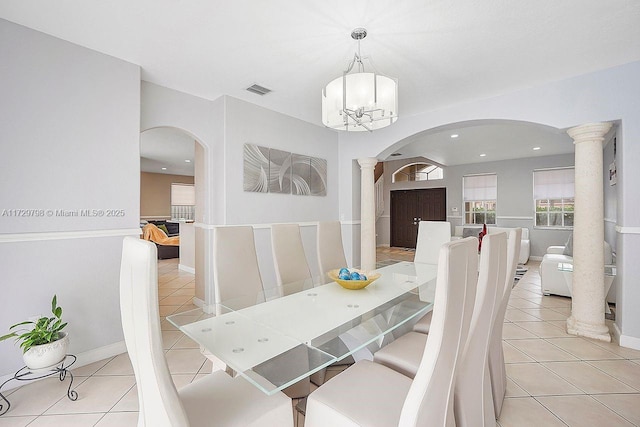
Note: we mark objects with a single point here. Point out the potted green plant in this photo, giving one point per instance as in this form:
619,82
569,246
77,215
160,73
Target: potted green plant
43,343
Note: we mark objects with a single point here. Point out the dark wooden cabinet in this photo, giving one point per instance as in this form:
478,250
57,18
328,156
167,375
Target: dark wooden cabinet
409,207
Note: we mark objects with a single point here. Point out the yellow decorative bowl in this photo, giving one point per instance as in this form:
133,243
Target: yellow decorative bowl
353,284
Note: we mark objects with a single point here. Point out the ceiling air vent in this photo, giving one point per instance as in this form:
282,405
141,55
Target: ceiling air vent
258,90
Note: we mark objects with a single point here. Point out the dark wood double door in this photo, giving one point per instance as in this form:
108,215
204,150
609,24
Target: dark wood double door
409,207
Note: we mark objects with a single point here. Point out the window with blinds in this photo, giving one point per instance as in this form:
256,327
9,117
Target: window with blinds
553,192
183,200
480,193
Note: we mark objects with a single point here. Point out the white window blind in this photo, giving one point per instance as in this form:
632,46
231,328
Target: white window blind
183,195
554,184
480,187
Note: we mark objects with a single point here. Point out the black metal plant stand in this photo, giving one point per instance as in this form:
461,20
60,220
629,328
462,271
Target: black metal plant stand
25,374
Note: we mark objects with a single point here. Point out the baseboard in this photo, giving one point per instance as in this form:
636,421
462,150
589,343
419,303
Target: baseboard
198,302
627,341
616,332
100,353
535,258
187,269
384,245
83,359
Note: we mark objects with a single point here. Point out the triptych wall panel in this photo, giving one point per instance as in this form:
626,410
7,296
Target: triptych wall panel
267,170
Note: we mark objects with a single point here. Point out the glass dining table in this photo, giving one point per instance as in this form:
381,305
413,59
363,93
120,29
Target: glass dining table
284,334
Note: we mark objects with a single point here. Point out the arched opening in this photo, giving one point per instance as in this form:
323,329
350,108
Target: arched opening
173,188
418,171
508,150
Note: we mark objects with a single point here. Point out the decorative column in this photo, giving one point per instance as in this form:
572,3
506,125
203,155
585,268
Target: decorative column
587,309
367,214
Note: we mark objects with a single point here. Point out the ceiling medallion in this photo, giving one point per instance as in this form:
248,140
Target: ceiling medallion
360,100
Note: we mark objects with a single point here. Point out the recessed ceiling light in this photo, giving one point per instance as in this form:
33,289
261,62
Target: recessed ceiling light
188,161
536,148
395,154
164,169
483,155
455,135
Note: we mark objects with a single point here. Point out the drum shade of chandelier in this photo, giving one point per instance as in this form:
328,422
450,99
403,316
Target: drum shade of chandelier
360,100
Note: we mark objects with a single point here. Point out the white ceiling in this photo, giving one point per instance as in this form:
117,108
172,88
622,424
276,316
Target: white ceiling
167,148
442,52
497,140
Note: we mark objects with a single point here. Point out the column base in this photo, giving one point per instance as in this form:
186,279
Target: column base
596,332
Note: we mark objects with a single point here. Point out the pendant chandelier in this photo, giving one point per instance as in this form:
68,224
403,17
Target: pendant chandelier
360,100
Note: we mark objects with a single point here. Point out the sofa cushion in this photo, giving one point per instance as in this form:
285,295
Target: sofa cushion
470,232
568,247
173,228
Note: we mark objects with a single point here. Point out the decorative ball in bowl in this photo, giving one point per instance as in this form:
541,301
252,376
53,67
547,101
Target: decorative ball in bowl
351,278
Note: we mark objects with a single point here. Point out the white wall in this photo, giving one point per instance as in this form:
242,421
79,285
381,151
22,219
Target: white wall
515,206
247,123
69,129
608,95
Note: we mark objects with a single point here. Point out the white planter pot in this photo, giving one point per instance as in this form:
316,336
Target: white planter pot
47,355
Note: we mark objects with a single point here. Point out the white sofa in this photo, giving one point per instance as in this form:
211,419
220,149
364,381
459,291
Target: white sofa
525,245
553,280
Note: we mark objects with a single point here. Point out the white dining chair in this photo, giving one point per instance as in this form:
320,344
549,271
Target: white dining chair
235,264
216,399
473,402
431,236
330,249
236,275
373,395
289,258
405,353
496,353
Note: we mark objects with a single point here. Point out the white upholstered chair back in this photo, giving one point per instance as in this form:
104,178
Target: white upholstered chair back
430,397
288,254
160,405
237,275
235,263
496,354
431,236
330,249
473,402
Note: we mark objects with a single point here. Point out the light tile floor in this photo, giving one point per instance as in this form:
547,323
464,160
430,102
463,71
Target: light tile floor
555,379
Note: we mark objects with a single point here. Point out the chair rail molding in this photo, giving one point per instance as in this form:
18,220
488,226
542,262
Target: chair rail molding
627,230
63,235
268,226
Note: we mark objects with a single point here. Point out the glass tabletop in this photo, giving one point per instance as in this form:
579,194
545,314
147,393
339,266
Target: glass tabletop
609,269
281,335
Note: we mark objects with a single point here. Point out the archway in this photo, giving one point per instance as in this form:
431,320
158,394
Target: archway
172,155
508,148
